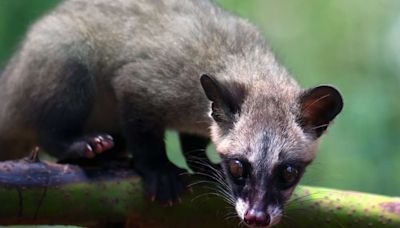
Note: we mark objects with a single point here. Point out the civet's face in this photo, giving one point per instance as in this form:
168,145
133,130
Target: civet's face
266,142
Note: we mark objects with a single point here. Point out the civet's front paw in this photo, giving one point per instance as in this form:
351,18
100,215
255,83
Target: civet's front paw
90,146
164,183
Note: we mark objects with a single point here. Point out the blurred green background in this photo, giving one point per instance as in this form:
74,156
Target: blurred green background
353,44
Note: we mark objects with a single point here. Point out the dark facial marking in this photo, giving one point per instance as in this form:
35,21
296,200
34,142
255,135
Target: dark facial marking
260,188
238,170
289,175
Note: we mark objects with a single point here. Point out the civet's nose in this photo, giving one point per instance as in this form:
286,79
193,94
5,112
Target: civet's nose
254,217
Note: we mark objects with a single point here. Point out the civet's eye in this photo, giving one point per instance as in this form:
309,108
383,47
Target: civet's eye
236,168
289,175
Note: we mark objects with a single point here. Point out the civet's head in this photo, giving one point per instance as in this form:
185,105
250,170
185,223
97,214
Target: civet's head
266,135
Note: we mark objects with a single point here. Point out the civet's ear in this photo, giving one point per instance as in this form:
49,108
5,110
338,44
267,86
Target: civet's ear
225,100
319,106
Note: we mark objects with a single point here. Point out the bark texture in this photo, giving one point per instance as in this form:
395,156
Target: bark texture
36,192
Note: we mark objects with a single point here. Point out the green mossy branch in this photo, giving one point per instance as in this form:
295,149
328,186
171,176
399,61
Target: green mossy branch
35,192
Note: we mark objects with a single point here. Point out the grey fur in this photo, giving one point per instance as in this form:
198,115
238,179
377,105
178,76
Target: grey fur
149,54
155,50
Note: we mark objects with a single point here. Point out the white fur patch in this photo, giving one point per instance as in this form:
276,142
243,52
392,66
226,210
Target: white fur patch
241,207
274,211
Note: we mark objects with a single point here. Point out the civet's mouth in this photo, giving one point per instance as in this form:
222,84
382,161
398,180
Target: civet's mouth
253,217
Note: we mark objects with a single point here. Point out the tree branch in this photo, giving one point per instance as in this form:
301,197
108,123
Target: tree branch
35,192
